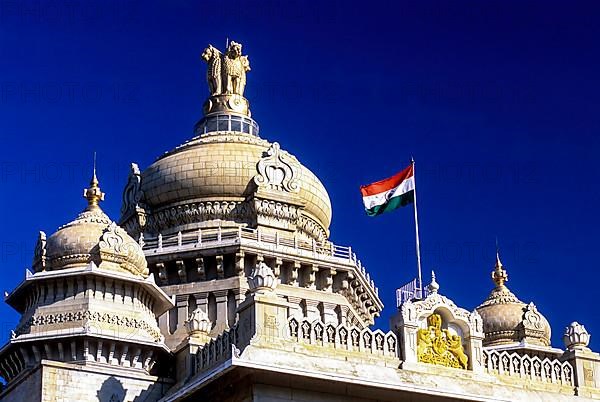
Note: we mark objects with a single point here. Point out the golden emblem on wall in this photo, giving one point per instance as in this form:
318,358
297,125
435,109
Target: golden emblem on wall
438,346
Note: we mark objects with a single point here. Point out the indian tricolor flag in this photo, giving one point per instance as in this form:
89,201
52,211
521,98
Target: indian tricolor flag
391,193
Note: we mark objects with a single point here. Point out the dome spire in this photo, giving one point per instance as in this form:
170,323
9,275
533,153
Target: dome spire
93,194
499,275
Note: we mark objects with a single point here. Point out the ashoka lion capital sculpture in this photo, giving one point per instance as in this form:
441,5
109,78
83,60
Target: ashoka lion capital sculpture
226,77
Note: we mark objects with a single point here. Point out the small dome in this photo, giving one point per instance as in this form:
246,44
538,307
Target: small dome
91,237
507,320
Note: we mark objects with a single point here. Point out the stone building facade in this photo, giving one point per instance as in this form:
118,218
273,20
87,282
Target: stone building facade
219,282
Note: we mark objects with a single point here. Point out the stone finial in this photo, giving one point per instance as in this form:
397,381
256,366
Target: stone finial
433,287
198,323
93,194
262,278
576,337
499,275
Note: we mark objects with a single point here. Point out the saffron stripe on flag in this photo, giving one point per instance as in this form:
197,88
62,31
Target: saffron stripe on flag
387,184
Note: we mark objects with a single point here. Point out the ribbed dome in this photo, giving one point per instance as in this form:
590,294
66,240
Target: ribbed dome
506,319
221,168
91,237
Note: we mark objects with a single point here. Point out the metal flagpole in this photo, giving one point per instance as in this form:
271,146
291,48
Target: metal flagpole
412,161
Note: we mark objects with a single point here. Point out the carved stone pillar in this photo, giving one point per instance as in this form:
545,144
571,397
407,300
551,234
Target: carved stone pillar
239,263
202,301
474,341
200,268
263,317
586,371
312,310
294,273
295,307
343,314
162,272
405,324
277,267
221,298
181,302
329,314
181,272
220,267
328,282
311,276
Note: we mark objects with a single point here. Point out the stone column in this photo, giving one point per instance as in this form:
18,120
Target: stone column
239,263
405,324
586,364
201,301
312,310
221,298
263,318
181,301
329,314
474,342
295,309
344,314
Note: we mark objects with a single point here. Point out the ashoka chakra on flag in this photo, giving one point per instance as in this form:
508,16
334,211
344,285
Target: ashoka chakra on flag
391,193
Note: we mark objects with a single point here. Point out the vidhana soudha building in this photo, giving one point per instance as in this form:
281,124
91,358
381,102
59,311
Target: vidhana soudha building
218,282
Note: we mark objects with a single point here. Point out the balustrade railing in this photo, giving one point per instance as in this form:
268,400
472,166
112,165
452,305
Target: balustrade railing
342,337
532,368
217,350
202,238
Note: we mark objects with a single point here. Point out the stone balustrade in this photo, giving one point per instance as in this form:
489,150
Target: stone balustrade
217,350
326,251
342,337
545,370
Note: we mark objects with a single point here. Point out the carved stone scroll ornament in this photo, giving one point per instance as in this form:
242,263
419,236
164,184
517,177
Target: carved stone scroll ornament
132,194
439,346
198,212
90,317
39,254
277,171
111,239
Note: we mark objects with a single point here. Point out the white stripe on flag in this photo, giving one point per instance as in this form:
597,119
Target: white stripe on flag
371,201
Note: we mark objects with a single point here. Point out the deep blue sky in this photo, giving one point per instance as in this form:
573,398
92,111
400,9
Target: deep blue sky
497,101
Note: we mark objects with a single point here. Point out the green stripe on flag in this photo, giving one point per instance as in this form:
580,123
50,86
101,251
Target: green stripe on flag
394,203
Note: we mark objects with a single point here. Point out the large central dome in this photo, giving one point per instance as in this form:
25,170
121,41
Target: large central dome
226,176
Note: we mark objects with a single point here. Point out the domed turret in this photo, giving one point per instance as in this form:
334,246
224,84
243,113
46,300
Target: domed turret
91,237
507,320
226,176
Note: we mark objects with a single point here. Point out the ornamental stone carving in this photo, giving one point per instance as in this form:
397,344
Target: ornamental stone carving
116,247
262,278
132,194
532,318
576,337
90,317
39,254
226,73
277,171
198,323
435,330
112,240
226,78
